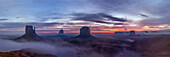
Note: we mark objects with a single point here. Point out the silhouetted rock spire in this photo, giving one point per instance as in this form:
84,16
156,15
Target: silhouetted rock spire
61,31
85,33
30,34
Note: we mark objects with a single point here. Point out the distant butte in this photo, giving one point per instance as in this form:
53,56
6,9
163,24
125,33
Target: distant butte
132,32
85,33
61,32
30,35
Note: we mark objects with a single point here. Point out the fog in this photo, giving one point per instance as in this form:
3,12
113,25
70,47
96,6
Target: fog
44,48
60,48
39,47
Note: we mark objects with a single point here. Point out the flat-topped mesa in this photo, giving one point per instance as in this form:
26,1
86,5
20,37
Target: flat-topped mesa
132,32
29,31
85,33
61,31
30,35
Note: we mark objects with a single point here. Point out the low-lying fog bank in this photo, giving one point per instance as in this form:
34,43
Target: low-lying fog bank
154,47
100,47
105,45
38,47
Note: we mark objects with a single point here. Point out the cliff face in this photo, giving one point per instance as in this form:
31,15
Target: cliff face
85,33
29,31
30,35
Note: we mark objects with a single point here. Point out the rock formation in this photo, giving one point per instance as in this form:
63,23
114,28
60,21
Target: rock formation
30,35
132,32
61,31
85,33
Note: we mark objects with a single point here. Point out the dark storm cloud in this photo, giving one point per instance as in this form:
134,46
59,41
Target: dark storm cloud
3,19
99,18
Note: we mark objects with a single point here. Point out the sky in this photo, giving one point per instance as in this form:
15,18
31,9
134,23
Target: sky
102,16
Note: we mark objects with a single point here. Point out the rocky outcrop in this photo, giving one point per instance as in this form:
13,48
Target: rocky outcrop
85,33
30,35
132,32
61,32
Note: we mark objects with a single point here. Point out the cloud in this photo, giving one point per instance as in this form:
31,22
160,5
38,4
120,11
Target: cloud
77,23
112,18
114,5
143,15
119,24
3,19
151,12
98,21
155,21
38,47
11,45
98,18
150,9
